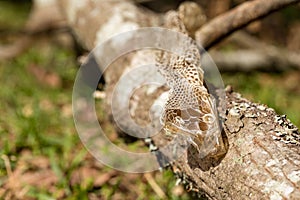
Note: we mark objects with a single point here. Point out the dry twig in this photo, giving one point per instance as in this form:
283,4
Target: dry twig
223,25
155,186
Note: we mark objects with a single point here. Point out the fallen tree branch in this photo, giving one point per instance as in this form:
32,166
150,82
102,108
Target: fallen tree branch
45,17
26,40
253,54
257,162
12,50
263,158
251,60
225,24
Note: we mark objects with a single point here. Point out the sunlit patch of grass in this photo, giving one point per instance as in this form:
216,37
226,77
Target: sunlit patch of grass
37,117
26,117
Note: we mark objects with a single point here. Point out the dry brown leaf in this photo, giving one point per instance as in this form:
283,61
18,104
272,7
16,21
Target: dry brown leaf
45,77
86,173
23,176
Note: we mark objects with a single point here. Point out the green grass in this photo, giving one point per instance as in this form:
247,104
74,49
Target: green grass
22,96
31,111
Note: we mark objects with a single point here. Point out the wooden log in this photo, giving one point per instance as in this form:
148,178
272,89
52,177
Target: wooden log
263,158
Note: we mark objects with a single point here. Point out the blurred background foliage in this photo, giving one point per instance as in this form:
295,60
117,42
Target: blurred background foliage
41,154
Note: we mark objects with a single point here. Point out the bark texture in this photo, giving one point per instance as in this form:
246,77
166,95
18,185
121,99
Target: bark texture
242,15
262,161
263,157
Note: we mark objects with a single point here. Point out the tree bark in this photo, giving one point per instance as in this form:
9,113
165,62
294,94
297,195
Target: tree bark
261,163
263,157
225,24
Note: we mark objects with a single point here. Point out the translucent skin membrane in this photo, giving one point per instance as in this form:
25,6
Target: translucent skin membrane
190,110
